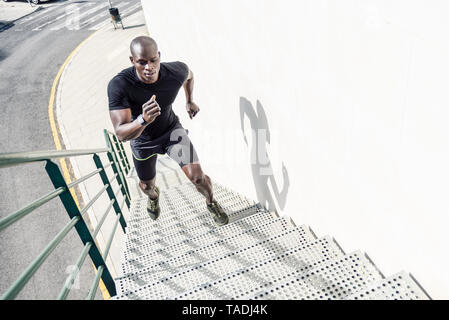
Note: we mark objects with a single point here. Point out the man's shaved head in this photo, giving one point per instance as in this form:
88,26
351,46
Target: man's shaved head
146,58
142,43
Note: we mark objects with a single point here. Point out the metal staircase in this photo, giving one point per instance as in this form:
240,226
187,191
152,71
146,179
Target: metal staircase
258,255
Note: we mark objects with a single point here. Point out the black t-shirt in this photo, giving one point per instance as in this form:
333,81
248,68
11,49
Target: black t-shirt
126,90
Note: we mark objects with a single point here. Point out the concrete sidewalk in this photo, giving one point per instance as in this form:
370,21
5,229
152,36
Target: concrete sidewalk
12,11
82,112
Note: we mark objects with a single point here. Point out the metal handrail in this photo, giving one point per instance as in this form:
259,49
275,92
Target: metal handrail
108,165
106,252
29,272
16,216
16,158
77,182
113,179
91,202
108,131
103,218
69,282
123,202
117,146
117,192
111,237
95,284
76,215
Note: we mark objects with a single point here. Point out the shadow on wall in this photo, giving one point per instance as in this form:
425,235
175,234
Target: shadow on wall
260,161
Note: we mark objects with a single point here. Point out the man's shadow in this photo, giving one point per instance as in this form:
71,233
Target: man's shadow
260,162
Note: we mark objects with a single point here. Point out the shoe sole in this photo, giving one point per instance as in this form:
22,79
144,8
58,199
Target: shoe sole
153,216
221,224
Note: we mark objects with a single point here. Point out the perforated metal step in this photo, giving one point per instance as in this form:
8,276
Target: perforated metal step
332,281
184,255
245,281
239,239
190,228
182,212
185,241
400,286
154,270
168,179
180,202
175,283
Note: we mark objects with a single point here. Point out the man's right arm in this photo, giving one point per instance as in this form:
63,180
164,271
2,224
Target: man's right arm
125,129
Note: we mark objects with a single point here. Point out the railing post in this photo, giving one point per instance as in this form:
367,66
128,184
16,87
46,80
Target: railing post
120,178
119,148
124,155
115,146
81,227
117,168
104,178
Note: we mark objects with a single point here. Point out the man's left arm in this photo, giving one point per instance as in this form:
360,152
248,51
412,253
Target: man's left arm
191,107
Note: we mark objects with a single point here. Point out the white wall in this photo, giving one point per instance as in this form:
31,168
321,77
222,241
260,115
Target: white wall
356,101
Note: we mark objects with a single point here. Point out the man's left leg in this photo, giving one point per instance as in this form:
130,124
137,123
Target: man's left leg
203,184
201,181
182,151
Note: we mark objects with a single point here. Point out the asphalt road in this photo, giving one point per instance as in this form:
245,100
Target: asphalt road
32,50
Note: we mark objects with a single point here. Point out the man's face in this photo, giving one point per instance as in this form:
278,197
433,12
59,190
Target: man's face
146,59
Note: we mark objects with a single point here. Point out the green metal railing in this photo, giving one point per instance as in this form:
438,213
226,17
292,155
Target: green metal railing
115,145
120,167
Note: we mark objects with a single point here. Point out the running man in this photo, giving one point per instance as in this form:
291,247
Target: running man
140,107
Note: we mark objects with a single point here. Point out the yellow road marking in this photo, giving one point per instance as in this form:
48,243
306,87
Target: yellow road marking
54,130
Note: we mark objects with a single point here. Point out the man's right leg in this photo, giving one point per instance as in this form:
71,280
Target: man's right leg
146,170
148,187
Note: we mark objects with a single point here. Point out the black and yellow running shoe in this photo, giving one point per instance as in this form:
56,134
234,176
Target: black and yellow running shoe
220,217
153,208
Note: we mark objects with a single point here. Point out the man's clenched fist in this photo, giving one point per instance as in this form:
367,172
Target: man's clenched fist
151,110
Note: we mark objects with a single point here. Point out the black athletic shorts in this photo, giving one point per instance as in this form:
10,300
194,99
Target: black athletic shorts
174,142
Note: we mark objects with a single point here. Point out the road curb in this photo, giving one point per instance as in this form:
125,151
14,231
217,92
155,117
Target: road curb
9,24
70,167
57,131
